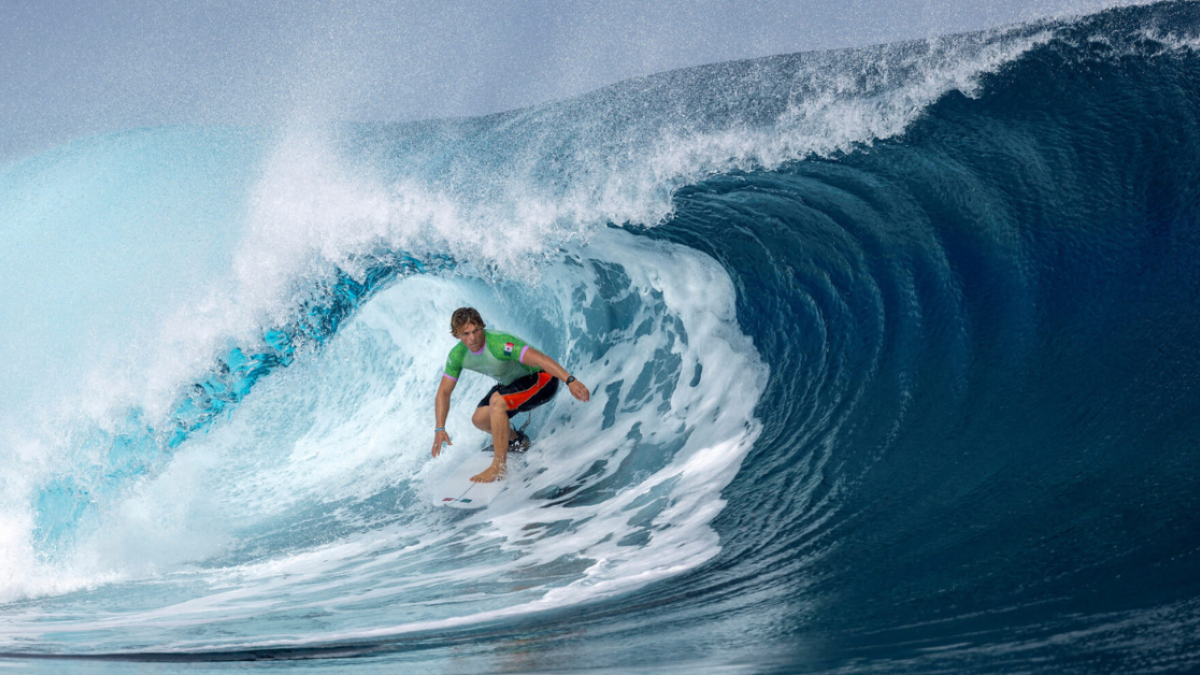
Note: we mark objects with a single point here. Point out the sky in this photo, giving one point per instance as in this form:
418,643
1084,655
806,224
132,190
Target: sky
73,69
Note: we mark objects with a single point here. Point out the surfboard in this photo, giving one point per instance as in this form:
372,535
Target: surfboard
459,492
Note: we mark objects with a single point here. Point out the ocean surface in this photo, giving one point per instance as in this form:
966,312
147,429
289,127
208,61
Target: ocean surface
892,353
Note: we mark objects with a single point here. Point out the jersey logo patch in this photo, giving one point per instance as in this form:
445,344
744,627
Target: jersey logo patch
508,347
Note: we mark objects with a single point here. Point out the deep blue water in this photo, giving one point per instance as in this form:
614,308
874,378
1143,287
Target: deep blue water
891,348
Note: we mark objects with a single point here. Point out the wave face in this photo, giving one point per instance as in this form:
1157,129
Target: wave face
891,353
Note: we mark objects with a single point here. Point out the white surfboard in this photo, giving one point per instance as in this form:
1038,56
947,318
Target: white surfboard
459,492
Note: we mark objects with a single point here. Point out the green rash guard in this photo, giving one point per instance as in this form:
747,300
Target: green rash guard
500,358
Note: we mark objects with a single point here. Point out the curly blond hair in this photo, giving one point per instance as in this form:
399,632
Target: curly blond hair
463,316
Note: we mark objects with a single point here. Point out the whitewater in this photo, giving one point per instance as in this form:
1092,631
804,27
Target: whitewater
890,348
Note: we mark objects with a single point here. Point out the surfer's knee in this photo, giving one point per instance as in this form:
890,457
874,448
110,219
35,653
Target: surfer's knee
482,418
497,401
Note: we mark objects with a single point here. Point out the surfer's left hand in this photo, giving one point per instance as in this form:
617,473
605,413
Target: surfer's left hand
580,391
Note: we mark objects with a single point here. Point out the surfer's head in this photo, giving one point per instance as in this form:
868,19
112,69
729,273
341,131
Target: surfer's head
467,325
462,317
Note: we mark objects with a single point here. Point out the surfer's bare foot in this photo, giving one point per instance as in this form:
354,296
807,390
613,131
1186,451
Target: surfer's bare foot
493,473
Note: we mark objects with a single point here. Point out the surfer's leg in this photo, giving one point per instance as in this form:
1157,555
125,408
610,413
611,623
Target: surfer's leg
500,426
499,417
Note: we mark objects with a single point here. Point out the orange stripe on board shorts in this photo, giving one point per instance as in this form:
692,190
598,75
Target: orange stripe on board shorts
517,399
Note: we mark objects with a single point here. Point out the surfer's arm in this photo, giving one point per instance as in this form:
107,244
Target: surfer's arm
441,409
533,357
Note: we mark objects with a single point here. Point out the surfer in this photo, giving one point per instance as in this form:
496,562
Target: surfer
527,379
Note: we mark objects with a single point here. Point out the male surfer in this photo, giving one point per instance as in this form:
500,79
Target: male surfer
527,377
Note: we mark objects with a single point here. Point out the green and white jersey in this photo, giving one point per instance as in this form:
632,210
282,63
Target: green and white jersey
500,358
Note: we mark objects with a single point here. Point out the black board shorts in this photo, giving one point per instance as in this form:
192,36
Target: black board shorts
524,394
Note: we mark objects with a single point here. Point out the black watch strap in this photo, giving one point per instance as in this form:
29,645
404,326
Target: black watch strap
570,379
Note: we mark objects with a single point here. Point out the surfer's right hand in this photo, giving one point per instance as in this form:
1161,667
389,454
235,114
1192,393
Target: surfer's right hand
439,438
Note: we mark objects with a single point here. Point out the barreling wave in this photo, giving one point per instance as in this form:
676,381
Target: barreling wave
891,352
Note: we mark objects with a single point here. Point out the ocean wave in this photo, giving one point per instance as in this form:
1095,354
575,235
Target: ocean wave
890,350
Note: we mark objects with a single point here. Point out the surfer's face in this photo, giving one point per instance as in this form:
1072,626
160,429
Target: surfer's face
472,336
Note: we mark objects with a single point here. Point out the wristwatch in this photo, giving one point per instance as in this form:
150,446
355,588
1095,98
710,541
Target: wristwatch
570,379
